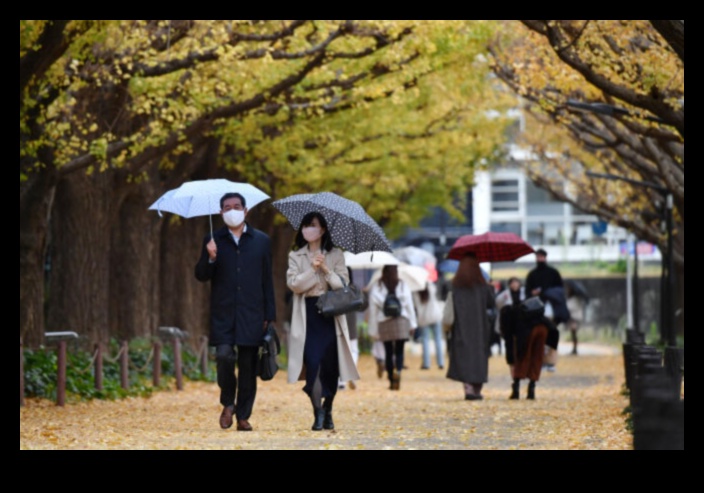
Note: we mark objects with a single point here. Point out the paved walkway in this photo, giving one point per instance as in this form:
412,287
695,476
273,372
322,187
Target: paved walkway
578,407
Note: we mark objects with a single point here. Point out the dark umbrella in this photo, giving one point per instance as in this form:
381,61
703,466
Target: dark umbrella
578,289
491,247
351,228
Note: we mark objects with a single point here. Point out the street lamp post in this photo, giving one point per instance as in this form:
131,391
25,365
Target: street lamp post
667,316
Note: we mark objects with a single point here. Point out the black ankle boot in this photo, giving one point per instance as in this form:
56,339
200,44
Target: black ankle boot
531,391
319,418
328,423
515,388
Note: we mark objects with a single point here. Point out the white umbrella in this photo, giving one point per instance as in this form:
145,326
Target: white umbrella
415,256
415,277
369,260
202,198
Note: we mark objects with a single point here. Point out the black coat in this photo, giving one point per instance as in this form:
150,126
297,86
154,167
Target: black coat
242,287
544,277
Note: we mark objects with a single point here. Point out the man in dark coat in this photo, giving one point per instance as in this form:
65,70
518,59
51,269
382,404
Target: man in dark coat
543,281
237,262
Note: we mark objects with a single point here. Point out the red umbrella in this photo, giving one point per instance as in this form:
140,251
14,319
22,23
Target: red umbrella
491,247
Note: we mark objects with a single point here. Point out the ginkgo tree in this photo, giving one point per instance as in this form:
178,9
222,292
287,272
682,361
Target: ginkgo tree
608,101
114,113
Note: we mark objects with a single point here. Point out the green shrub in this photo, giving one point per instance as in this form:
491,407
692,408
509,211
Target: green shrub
41,367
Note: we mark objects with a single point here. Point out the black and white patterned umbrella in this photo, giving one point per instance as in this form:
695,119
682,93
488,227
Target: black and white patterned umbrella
350,226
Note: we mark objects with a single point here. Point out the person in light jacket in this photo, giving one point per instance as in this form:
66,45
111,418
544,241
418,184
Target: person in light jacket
319,350
429,313
392,331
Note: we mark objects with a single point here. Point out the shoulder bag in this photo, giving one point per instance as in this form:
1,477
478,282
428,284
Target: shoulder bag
532,307
334,302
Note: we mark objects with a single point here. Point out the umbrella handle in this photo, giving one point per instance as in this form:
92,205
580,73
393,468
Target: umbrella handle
210,216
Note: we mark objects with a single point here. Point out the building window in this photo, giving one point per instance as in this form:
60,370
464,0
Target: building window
505,195
506,227
545,233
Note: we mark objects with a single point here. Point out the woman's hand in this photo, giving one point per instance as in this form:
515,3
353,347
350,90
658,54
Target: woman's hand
319,263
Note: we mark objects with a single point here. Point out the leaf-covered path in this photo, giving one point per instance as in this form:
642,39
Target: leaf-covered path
578,407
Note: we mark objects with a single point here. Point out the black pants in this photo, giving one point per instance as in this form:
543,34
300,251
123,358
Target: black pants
394,355
240,389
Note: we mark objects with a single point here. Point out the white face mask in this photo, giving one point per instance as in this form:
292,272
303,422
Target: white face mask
233,218
311,233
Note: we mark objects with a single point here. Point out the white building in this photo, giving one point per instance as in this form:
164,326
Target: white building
504,199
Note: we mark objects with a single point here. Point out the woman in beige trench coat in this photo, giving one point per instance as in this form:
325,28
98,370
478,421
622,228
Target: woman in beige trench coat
319,349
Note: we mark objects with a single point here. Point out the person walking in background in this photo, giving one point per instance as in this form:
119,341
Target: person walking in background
429,314
546,282
320,352
493,314
392,320
525,336
469,332
354,337
237,263
507,302
575,305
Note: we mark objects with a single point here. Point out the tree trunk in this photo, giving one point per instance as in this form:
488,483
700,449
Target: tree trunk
183,300
80,237
134,267
36,199
263,217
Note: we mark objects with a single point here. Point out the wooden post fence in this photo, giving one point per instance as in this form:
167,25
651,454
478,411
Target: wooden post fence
61,340
156,369
98,370
124,365
176,335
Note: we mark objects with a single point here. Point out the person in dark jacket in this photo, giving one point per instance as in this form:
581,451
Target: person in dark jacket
525,336
237,263
546,282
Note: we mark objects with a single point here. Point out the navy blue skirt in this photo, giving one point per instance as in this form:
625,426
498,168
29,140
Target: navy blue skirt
320,351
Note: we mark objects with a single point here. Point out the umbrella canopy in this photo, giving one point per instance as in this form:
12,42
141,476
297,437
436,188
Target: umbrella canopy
578,289
369,260
351,228
415,256
491,247
202,198
449,266
416,277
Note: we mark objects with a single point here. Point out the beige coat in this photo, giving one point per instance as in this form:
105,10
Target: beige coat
301,278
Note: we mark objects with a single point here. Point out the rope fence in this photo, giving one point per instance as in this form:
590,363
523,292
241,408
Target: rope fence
169,334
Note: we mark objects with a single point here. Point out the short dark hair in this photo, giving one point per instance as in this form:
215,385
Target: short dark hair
232,195
326,241
542,252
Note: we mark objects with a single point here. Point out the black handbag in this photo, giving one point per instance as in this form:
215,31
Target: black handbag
532,307
334,302
267,364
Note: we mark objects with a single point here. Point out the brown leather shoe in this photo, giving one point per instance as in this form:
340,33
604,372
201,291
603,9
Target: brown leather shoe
243,425
226,417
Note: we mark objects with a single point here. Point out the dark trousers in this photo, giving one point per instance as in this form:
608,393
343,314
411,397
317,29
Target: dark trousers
320,355
394,355
240,389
